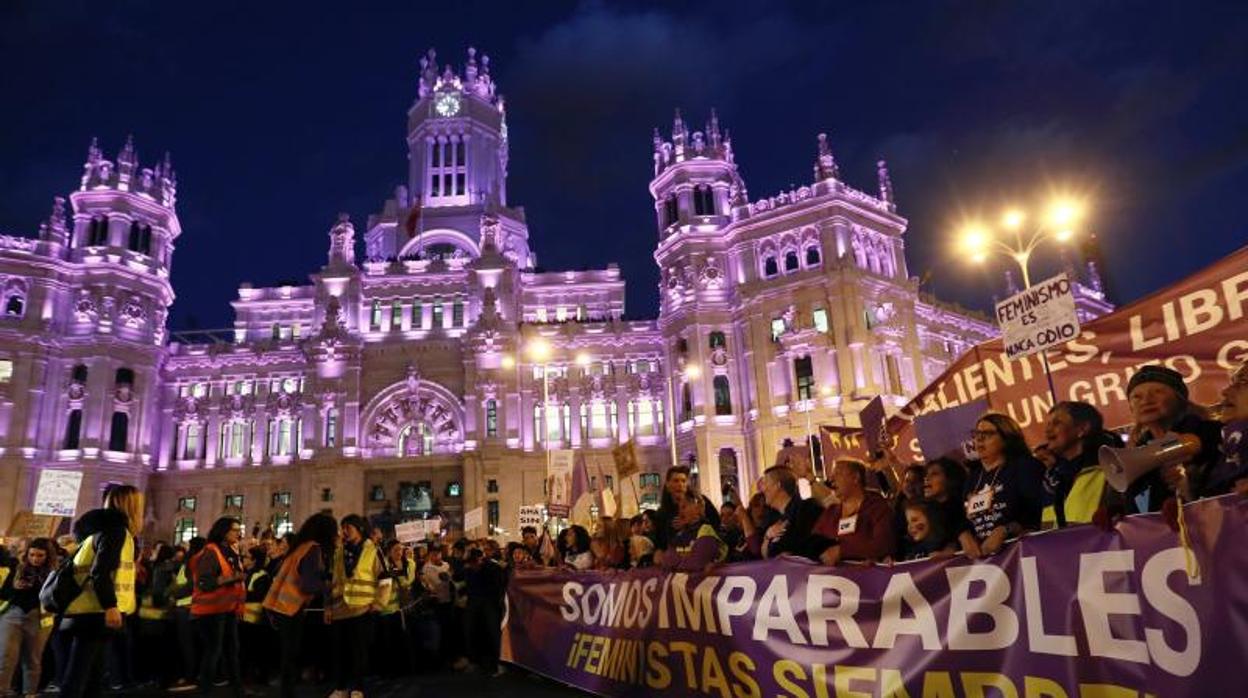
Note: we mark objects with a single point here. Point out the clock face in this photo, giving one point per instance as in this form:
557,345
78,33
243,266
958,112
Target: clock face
447,104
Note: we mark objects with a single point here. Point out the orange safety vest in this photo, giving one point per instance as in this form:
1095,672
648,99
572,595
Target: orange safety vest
284,595
227,598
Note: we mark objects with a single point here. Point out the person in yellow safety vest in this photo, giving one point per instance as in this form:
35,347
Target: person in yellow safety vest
394,593
24,627
256,634
104,567
1074,484
357,568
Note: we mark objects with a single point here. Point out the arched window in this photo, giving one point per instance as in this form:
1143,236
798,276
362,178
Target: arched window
118,431
79,374
73,429
770,268
125,376
723,395
145,240
15,306
703,200
97,232
812,256
136,237
717,340
415,440
790,261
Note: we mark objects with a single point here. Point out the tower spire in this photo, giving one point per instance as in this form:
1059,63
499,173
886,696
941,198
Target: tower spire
825,163
886,185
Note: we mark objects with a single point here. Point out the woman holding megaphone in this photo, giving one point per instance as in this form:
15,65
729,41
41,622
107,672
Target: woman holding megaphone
1160,406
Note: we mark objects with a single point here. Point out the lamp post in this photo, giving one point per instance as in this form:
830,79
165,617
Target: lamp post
977,240
690,372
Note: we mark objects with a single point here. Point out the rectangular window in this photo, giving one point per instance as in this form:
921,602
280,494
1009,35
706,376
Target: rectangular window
491,418
396,316
435,154
492,514
820,318
437,313
561,313
282,524
378,494
803,367
186,503
457,314
234,501
541,314
609,481
894,374
281,499
375,320
491,486
461,184
777,328
238,440
434,182
418,316
191,450
331,428
447,183
459,153
184,530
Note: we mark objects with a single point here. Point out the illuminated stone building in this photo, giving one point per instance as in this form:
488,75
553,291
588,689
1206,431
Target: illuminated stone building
431,374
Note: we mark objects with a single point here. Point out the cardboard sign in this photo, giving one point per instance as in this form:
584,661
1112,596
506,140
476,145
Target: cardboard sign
872,418
625,459
559,482
531,516
474,519
410,531
948,432
29,525
58,492
1037,318
841,442
433,526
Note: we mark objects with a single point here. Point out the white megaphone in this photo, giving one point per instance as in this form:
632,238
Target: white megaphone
1124,466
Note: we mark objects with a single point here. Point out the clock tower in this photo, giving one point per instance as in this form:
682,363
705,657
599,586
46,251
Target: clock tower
457,136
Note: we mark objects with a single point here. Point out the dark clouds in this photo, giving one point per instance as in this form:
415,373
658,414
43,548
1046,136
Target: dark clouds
281,114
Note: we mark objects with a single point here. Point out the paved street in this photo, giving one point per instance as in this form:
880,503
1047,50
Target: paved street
443,685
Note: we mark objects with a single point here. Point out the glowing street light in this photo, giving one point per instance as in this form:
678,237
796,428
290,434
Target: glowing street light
976,240
693,372
539,349
508,361
582,359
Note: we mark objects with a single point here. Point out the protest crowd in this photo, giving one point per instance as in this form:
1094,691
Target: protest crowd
339,602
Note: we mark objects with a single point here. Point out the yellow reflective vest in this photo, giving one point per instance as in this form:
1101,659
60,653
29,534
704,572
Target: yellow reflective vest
402,585
180,583
123,579
253,611
1083,499
358,591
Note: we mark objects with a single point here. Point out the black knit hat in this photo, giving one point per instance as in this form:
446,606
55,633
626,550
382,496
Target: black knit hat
1155,373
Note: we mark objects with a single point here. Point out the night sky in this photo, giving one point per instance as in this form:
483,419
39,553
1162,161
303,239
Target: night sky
280,115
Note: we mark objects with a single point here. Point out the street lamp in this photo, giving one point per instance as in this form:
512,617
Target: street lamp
690,372
824,391
977,240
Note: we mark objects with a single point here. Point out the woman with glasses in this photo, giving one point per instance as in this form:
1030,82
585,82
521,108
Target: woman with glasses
217,599
1004,491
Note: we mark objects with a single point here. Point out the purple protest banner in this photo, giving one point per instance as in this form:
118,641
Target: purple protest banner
1074,612
946,432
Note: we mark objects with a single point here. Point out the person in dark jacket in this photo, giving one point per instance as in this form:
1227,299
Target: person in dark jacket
22,631
1159,403
1074,485
486,583
944,480
790,532
106,549
675,485
1004,493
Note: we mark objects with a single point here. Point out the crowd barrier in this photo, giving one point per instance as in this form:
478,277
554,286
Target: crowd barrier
1072,612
